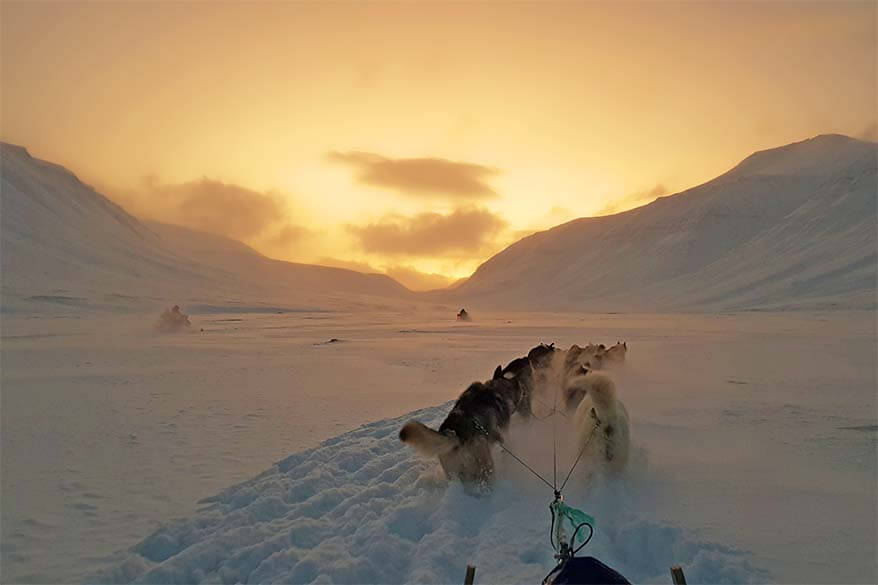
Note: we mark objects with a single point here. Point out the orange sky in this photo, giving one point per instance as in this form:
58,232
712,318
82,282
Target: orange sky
420,137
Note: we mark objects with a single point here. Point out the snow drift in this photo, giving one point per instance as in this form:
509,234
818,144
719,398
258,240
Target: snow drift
361,509
790,227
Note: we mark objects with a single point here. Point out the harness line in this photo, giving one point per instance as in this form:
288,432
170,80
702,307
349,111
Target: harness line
557,491
479,426
551,412
579,519
581,451
555,445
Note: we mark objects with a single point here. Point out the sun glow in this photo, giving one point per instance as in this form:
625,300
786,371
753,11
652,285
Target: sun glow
576,121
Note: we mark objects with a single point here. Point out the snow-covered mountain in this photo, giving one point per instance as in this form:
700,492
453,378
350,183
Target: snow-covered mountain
251,269
64,244
790,227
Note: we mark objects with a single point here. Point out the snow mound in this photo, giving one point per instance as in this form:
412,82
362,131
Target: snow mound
361,508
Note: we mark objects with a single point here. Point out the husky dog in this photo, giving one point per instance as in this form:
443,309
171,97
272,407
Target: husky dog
574,360
593,357
601,420
476,421
545,362
521,371
616,354
541,356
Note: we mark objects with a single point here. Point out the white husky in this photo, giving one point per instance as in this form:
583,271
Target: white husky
601,420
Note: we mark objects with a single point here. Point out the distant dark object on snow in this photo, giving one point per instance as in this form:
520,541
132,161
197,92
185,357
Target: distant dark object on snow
462,315
172,320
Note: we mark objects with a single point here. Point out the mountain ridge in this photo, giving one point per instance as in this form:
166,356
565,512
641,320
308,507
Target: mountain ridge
807,208
64,244
657,257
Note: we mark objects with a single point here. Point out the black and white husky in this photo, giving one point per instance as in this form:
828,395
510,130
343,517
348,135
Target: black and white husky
477,420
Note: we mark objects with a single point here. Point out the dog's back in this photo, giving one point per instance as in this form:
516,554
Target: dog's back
484,409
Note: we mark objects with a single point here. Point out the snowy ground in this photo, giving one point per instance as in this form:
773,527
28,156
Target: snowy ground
755,449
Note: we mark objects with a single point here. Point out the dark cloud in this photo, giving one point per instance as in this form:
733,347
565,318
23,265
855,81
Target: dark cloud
222,208
464,231
214,206
424,177
633,200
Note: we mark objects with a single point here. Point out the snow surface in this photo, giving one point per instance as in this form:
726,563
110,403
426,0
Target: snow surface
359,509
794,227
754,435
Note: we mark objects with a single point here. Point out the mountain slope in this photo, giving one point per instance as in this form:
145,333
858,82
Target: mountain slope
62,243
252,269
791,227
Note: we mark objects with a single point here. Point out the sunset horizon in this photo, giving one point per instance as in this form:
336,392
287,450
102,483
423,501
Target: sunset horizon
427,139
407,275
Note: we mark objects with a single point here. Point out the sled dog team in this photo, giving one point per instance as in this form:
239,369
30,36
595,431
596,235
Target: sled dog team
482,413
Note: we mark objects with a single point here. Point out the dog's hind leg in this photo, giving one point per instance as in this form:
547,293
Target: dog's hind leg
486,468
478,478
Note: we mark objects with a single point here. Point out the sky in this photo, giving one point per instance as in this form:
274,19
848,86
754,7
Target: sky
419,139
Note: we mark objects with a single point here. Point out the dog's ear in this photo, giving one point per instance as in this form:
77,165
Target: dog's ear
498,373
625,344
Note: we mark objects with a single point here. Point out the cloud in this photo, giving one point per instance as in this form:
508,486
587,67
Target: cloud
222,208
465,231
281,241
217,207
633,200
420,177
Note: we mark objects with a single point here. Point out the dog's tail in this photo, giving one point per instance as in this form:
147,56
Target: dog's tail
425,440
